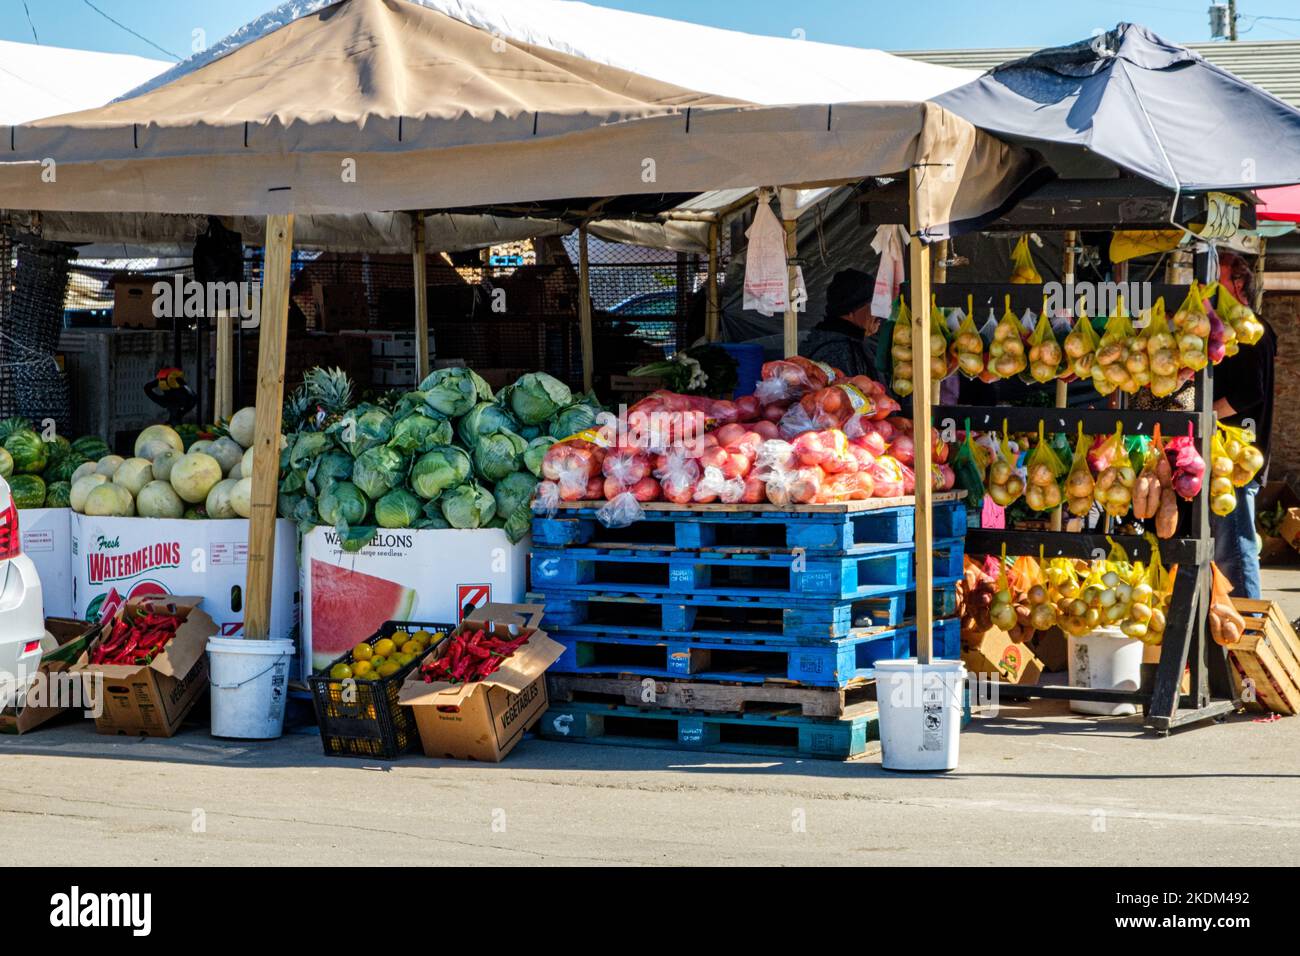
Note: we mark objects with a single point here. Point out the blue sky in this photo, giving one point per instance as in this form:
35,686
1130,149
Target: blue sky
897,26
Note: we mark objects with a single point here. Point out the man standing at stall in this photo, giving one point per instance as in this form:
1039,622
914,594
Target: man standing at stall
1243,395
846,337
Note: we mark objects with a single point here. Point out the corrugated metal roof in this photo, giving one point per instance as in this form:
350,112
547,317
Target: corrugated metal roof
1273,65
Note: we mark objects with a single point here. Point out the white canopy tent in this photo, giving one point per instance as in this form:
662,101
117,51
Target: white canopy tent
37,80
429,112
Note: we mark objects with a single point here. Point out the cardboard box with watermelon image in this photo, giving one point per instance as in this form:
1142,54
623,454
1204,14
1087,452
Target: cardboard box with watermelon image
142,557
401,575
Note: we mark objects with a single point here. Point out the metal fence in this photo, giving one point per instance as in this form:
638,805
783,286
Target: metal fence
507,311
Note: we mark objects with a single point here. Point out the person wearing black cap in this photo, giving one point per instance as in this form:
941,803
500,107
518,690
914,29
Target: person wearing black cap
844,337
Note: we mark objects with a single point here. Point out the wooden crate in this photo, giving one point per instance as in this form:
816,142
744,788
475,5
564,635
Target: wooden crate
1268,655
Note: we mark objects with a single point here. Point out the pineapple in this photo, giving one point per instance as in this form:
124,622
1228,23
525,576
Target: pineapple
323,398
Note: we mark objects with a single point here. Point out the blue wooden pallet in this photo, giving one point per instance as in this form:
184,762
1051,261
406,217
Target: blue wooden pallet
763,617
896,608
833,663
765,734
830,530
785,574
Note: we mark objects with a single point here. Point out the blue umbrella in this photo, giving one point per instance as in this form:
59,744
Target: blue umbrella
1143,104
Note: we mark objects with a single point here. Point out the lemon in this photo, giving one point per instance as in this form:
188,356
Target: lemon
362,668
421,635
403,659
384,647
340,672
363,652
389,668
377,661
411,647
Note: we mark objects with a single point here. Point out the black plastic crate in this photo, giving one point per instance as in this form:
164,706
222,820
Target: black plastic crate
361,718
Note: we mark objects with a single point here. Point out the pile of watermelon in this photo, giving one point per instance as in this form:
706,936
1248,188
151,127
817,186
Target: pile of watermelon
39,467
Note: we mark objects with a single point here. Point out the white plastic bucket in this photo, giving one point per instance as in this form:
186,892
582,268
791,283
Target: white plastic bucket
250,682
920,713
1105,659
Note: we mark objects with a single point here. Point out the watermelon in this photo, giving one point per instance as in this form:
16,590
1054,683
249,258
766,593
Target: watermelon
56,495
349,606
28,491
6,464
27,451
91,448
62,470
57,449
10,426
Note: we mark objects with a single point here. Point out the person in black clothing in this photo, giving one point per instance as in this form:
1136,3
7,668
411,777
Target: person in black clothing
845,338
1243,396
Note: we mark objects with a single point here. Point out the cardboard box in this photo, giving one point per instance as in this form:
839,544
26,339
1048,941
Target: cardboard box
47,540
164,556
1053,649
133,304
401,575
997,654
152,700
486,719
48,694
1290,528
394,372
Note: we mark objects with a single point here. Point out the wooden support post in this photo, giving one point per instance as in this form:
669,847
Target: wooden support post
584,311
791,309
420,269
224,392
713,318
919,283
276,273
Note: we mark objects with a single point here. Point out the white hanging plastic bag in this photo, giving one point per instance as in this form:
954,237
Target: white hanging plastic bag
767,276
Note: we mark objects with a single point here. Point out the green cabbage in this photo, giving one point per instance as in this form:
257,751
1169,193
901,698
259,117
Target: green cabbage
535,452
483,419
56,495
362,428
343,505
454,391
398,509
28,452
468,506
419,432
28,491
573,419
378,471
498,455
514,497
332,467
537,397
439,469
306,447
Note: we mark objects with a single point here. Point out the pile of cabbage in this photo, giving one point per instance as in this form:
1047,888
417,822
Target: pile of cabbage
39,465
166,478
449,454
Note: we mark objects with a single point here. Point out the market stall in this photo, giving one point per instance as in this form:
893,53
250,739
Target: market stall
233,141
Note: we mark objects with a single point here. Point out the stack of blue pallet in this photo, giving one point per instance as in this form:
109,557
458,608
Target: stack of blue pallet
770,621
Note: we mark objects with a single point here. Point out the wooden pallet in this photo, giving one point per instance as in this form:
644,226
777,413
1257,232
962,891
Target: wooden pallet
834,528
708,696
621,651
777,736
1268,656
795,575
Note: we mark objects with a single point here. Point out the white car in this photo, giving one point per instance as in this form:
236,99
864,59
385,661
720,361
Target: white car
22,611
